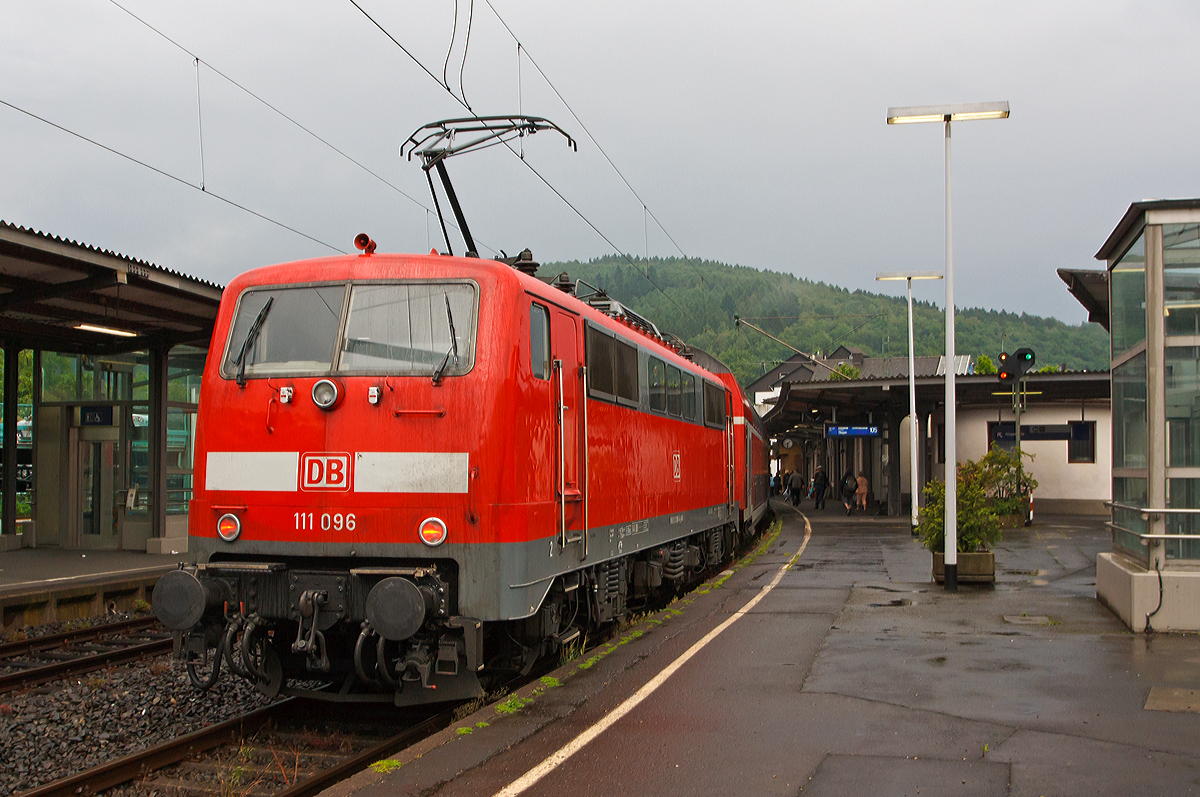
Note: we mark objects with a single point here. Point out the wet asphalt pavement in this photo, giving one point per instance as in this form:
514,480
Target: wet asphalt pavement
854,675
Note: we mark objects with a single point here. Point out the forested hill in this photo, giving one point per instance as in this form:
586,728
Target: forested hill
700,298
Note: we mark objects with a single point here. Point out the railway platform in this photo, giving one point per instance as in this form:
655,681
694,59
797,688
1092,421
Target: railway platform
44,585
831,664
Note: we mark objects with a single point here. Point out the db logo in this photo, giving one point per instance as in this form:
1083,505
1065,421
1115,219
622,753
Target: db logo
675,465
325,472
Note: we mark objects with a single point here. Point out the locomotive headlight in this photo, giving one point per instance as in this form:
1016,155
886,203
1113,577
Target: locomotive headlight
229,527
432,532
325,394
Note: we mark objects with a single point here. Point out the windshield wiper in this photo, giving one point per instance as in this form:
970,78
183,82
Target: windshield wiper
248,343
437,375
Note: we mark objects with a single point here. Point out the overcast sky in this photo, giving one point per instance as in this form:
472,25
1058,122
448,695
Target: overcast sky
754,132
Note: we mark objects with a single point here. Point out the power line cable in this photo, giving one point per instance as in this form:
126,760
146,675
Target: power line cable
177,179
575,116
216,71
514,152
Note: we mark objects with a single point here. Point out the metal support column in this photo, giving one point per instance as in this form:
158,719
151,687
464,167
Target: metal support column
157,448
8,523
895,415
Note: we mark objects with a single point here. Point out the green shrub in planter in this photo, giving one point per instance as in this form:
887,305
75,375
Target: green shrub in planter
993,486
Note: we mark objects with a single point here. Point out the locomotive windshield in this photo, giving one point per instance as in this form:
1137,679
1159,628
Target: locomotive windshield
296,336
396,328
406,328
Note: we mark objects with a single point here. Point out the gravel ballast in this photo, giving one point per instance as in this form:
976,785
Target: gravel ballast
65,727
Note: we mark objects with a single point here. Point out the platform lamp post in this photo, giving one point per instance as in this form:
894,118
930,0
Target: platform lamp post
909,276
949,113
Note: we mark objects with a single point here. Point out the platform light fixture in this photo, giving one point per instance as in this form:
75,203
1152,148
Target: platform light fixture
909,276
121,333
962,112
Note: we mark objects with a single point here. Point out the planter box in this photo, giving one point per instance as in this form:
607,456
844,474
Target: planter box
973,568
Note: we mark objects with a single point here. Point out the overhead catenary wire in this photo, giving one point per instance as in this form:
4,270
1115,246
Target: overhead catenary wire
521,48
285,116
528,165
200,61
168,175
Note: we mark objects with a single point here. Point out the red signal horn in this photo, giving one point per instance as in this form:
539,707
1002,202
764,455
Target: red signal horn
363,241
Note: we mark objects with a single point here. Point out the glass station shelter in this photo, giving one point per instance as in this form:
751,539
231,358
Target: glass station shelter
102,356
1151,578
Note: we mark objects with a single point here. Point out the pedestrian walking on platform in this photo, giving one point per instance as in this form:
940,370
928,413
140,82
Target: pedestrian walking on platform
797,485
848,486
860,491
820,485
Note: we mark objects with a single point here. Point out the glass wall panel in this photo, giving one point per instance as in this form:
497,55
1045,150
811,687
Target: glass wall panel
60,377
1181,278
181,435
185,367
1129,413
1128,282
1183,494
1182,368
139,458
1131,492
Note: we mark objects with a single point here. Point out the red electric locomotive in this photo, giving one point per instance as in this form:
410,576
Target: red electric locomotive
412,471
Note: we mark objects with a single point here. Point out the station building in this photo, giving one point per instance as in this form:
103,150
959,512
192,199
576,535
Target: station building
109,351
862,425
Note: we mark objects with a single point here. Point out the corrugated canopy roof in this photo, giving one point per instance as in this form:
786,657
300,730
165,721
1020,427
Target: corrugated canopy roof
50,285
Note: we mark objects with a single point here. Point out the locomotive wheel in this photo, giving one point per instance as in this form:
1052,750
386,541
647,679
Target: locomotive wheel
273,667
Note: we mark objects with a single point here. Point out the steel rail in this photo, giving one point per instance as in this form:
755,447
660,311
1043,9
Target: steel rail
94,661
49,641
138,764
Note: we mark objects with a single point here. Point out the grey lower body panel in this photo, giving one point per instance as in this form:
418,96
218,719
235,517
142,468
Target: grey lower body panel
496,581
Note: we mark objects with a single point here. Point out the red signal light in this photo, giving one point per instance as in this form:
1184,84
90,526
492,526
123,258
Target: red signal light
432,531
229,527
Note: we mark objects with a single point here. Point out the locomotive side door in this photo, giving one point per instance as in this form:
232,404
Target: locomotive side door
730,477
567,378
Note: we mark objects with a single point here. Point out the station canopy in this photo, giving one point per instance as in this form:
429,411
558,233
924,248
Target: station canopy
59,295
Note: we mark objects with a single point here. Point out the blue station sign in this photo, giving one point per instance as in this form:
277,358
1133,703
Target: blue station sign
851,431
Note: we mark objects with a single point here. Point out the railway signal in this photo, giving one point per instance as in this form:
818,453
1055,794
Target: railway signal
1023,361
1008,376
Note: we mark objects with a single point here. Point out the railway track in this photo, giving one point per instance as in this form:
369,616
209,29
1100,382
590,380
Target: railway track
277,751
283,750
30,662
287,749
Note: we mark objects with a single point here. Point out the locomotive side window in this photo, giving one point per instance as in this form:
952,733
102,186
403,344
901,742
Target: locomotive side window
688,396
714,406
672,390
627,372
284,330
406,328
539,341
657,370
600,355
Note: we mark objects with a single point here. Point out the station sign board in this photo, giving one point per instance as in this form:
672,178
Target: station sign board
851,431
96,415
1006,431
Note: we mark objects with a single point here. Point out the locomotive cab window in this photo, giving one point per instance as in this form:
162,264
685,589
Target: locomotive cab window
657,371
539,341
284,331
714,406
412,328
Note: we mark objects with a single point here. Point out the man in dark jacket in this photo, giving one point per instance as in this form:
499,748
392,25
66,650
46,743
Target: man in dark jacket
820,485
797,485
